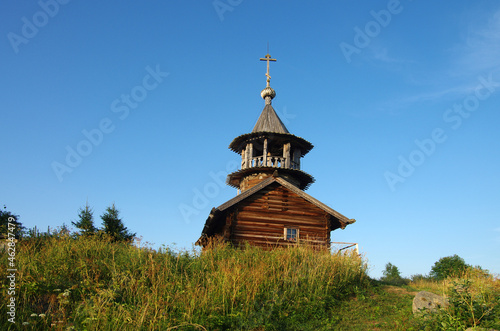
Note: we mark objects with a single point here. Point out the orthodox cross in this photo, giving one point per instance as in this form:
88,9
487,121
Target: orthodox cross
268,58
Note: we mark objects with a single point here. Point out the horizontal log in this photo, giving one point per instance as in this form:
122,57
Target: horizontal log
280,201
278,224
281,218
273,238
288,209
270,227
307,235
278,233
288,212
238,234
264,231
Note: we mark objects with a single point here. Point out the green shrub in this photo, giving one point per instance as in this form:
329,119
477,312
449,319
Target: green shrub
419,278
473,302
450,266
392,276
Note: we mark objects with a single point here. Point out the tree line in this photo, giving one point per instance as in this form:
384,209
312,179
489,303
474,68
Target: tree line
449,266
112,224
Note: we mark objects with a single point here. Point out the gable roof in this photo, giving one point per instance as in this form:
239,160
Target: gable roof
211,222
269,121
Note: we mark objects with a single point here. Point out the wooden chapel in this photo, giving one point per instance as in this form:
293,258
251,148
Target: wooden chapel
271,208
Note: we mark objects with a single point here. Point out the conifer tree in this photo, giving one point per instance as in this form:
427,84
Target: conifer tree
5,216
85,221
113,225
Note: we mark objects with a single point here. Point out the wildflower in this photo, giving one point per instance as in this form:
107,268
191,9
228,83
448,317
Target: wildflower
25,323
34,315
42,315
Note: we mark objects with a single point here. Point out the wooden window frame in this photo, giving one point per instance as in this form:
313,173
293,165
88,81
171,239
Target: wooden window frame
297,234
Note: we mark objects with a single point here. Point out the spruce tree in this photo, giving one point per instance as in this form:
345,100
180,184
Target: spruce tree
113,225
6,218
85,221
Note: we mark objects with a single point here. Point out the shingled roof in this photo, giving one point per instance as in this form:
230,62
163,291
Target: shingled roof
269,121
217,214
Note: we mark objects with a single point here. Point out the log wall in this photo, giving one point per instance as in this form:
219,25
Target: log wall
261,220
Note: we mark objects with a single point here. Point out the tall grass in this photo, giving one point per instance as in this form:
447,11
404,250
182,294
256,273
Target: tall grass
94,284
474,301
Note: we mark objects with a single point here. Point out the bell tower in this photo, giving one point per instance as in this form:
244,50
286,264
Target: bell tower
271,208
270,147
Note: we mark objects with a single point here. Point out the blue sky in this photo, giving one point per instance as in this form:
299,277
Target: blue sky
136,103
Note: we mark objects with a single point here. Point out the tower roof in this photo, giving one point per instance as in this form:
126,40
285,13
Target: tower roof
269,124
269,121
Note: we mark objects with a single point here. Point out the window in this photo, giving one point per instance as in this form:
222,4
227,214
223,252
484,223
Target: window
291,234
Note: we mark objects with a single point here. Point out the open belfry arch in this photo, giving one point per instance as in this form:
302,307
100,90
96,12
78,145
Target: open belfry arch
271,208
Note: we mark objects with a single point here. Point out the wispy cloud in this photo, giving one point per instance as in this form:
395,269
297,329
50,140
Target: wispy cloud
400,103
480,50
382,54
477,54
452,92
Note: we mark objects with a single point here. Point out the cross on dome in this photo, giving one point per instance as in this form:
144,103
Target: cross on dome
268,58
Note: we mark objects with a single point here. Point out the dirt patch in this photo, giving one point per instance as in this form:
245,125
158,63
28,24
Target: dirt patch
398,290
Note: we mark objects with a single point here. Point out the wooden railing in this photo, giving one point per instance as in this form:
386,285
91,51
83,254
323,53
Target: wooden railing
343,245
271,161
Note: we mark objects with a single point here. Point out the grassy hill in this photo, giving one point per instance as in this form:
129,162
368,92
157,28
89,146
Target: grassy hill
66,283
